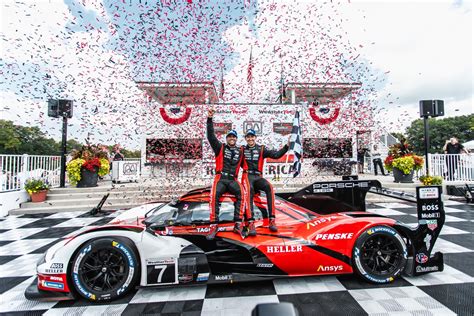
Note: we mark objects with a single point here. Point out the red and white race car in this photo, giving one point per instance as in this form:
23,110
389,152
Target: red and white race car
323,229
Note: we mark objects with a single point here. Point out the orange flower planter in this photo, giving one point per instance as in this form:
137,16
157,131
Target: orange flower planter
39,196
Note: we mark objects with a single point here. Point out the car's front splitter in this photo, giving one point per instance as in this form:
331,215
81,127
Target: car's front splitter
33,293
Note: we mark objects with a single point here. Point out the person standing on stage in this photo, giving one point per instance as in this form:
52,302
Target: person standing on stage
377,160
453,148
229,160
253,180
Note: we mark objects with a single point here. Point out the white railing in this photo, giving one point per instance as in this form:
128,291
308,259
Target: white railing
16,169
132,159
452,167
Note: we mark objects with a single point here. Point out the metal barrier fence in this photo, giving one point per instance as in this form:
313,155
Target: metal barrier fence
16,169
452,167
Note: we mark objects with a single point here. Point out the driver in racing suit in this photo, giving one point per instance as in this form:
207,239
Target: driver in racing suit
229,159
253,181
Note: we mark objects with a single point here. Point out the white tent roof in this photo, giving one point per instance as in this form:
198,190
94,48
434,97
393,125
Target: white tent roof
469,145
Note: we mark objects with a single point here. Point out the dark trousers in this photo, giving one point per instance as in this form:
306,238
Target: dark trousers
452,164
378,162
256,183
220,186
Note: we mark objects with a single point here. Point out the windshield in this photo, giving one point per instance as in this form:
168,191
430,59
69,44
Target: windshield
187,213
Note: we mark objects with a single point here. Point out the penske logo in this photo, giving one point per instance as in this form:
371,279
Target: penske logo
336,236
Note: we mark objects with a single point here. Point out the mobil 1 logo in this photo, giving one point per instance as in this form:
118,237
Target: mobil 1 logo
429,203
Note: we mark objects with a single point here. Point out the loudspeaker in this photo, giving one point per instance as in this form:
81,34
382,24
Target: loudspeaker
431,108
60,108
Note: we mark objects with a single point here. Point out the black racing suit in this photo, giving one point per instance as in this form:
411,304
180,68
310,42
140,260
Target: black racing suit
253,181
228,161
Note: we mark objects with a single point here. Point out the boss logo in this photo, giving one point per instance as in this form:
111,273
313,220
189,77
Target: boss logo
430,207
56,266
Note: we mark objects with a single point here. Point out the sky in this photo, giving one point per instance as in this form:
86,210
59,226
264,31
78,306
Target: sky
93,51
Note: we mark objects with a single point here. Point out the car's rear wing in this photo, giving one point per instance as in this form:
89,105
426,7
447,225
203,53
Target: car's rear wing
333,196
431,218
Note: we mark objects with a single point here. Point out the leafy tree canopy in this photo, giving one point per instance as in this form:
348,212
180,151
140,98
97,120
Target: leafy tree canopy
440,130
18,140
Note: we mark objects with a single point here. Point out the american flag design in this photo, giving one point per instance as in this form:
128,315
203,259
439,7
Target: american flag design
249,69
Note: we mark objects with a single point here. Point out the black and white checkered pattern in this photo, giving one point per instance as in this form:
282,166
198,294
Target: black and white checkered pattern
24,238
296,144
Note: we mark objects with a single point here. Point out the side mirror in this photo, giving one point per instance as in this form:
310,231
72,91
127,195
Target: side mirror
161,225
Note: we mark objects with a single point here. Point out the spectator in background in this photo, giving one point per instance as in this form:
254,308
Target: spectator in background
117,156
377,160
454,148
361,152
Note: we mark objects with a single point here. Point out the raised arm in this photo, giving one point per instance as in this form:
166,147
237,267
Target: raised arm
211,136
274,154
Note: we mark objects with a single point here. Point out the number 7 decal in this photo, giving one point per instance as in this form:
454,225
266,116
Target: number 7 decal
160,275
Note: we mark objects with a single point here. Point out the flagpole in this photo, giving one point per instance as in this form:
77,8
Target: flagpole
250,74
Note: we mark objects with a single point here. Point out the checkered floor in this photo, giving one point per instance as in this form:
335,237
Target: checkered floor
24,238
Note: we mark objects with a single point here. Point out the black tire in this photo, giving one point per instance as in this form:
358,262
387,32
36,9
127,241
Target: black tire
105,268
379,255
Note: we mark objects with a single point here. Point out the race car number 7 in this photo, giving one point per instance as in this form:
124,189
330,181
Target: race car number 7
160,275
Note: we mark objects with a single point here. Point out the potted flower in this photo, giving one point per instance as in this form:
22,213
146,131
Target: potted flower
431,180
37,189
403,162
86,165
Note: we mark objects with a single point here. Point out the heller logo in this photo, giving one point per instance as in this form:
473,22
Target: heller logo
283,249
257,126
336,236
322,268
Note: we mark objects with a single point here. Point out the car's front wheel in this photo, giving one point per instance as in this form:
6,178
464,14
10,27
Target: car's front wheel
105,268
379,254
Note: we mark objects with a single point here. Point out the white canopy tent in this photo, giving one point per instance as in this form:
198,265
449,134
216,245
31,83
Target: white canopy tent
469,145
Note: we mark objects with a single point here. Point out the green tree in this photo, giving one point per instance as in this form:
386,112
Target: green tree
398,135
440,130
16,139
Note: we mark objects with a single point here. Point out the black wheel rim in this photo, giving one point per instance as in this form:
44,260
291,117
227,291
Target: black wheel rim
381,255
103,270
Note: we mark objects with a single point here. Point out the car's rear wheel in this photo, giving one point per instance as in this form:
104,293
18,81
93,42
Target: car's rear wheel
379,254
105,268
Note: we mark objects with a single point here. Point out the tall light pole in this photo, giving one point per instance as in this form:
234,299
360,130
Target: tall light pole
63,109
429,108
